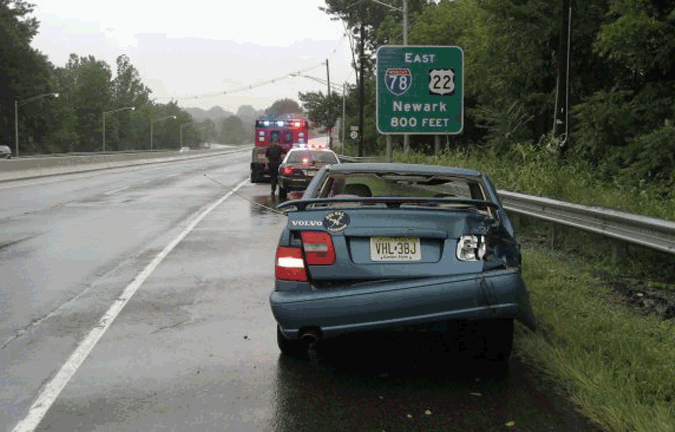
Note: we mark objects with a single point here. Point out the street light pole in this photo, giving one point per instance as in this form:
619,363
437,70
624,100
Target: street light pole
113,111
151,126
16,115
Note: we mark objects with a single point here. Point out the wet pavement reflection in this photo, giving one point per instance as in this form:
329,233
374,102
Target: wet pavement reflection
414,381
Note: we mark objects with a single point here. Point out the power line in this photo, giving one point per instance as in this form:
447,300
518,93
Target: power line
254,86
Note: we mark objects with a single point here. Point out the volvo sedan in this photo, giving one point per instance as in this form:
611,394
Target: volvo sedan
381,246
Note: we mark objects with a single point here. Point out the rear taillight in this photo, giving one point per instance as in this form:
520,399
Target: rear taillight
289,264
319,249
287,170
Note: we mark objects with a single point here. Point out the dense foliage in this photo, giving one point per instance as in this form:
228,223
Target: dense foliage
621,81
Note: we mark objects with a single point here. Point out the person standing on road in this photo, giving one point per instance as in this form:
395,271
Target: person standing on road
275,154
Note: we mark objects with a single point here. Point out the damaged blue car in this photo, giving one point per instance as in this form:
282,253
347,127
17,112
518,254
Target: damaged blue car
379,246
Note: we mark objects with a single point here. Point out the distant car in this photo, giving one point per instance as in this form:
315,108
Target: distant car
184,149
300,166
5,152
380,246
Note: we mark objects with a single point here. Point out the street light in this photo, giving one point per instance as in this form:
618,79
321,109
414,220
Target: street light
108,112
151,127
17,103
181,132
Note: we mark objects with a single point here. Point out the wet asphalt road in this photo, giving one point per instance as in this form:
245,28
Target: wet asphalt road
194,349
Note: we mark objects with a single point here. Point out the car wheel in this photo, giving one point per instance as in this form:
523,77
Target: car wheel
255,177
497,339
283,193
292,348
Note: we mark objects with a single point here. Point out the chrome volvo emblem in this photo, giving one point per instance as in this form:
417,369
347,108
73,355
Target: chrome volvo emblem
336,221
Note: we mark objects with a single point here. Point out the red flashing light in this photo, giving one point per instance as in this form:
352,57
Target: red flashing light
287,170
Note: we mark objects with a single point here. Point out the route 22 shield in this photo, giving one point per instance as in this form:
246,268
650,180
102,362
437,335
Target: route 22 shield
442,82
398,80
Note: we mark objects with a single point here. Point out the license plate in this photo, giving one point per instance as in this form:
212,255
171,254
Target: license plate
395,249
309,173
261,157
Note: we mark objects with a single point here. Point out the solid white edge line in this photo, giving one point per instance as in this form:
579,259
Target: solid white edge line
55,386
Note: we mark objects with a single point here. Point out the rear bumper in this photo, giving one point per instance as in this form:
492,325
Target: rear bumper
495,294
293,183
259,169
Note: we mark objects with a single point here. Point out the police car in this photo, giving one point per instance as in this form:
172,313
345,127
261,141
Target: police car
300,166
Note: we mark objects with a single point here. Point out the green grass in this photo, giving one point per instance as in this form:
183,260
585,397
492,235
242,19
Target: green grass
619,366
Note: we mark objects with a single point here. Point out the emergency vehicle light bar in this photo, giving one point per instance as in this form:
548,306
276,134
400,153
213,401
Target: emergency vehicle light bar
294,123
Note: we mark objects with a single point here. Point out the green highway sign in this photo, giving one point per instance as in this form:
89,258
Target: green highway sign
420,89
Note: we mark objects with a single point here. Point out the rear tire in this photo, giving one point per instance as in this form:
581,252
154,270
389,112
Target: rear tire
487,339
497,339
292,348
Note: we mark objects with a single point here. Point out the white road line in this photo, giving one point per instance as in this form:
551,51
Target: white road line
116,190
53,388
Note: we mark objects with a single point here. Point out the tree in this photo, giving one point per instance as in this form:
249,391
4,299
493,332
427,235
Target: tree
283,107
128,90
233,131
248,114
90,94
208,129
637,42
24,73
317,106
63,136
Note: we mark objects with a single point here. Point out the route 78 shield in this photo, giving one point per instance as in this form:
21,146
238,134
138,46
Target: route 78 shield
398,80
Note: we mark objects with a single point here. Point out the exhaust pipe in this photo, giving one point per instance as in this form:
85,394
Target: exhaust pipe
310,335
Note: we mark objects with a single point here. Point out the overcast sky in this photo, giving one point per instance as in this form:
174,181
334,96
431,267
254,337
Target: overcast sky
187,49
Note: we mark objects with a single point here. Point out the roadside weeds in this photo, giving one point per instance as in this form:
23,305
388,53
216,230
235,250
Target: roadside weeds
617,365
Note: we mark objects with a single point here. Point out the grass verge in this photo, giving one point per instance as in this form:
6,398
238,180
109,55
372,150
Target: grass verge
618,366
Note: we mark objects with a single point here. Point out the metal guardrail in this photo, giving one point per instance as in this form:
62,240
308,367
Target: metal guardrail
642,230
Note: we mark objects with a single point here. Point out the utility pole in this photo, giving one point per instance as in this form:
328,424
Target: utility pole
330,135
561,115
361,91
406,137
344,118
